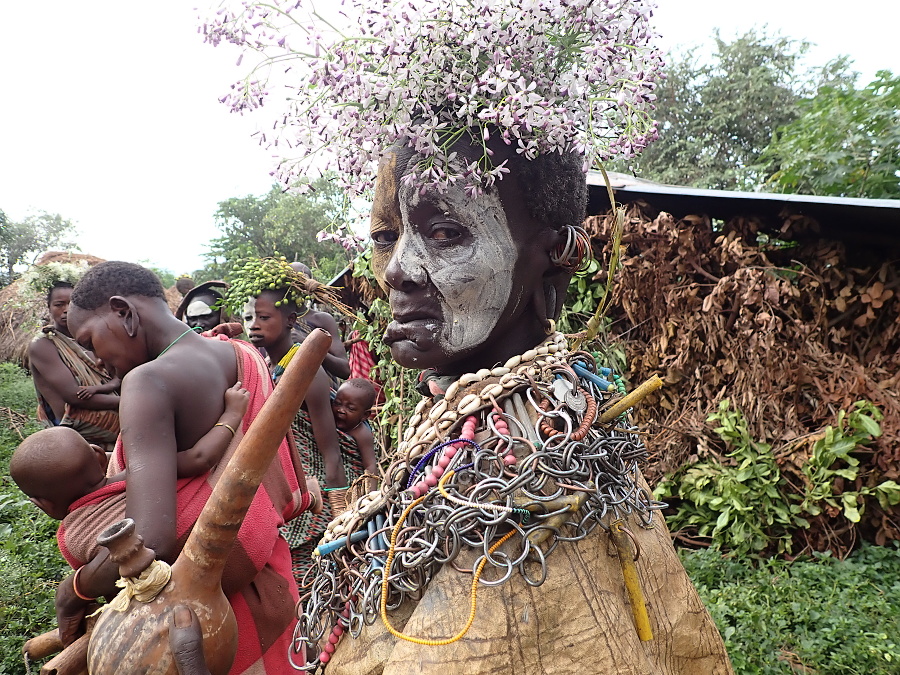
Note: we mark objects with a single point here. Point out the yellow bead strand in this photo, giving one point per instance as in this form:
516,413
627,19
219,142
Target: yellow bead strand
387,572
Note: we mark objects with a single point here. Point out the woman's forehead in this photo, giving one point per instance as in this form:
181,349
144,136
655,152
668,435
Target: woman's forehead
87,324
60,293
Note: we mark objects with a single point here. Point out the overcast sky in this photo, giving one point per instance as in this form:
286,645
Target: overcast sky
110,112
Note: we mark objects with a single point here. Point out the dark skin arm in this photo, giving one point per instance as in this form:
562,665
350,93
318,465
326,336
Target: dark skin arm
111,387
318,404
336,361
97,578
147,414
365,443
148,436
208,451
57,384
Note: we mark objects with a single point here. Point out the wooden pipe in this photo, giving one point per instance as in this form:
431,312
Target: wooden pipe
43,645
70,661
136,641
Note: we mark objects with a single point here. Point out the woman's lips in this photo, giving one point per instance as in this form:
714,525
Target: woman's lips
422,331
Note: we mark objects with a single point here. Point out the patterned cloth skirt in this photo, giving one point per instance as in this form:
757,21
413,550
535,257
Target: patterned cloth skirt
304,532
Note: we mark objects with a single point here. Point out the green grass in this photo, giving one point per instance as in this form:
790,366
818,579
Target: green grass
819,616
30,563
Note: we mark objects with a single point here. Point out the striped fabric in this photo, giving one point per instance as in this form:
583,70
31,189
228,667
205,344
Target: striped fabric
96,426
303,534
362,363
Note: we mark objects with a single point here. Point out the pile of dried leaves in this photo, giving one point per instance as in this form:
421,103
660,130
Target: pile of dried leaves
791,327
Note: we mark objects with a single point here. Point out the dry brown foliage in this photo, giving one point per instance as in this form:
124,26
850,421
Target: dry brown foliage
791,334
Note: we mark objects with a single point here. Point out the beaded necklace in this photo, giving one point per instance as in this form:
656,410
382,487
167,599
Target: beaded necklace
530,469
280,367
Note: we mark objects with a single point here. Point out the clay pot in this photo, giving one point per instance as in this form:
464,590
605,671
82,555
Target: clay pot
136,641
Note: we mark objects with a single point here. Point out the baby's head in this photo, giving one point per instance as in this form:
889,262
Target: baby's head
353,403
56,467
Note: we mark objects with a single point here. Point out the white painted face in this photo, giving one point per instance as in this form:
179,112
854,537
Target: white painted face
464,247
248,314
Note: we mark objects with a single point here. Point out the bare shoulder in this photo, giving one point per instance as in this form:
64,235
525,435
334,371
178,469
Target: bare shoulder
40,345
322,320
362,434
146,377
206,360
41,350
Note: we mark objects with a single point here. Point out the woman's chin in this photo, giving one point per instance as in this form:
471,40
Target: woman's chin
418,355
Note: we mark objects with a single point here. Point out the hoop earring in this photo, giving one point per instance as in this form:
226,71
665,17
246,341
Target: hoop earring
574,254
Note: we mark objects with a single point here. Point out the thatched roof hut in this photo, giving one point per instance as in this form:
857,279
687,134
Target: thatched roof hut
23,312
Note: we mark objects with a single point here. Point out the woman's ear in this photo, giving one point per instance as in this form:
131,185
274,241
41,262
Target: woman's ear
549,297
125,310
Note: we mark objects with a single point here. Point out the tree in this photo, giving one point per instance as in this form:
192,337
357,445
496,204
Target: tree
846,143
717,118
278,223
20,242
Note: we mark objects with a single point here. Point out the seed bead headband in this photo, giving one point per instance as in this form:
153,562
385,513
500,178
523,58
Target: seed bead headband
256,275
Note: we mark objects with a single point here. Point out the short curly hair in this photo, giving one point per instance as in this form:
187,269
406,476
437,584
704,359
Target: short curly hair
115,277
364,386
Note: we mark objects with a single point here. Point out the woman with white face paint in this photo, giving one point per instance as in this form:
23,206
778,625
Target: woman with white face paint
475,285
469,280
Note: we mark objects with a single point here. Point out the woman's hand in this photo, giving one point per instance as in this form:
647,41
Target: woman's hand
186,642
70,611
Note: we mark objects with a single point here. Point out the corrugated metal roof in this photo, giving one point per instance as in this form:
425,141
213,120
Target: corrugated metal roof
876,220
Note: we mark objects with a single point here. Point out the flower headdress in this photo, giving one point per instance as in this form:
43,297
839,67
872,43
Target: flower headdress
542,75
255,275
41,279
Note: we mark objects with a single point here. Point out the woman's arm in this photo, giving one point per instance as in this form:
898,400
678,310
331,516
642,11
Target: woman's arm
96,578
336,361
318,403
148,436
54,374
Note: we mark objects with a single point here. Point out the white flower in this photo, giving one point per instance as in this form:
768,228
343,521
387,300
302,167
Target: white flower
542,75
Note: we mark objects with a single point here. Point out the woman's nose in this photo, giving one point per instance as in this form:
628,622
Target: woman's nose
405,269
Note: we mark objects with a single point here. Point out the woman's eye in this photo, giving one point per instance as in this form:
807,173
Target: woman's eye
384,237
446,232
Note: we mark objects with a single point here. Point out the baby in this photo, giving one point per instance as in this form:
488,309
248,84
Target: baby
351,407
56,467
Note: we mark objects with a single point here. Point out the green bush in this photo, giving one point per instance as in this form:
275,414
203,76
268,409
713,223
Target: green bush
16,391
820,615
743,503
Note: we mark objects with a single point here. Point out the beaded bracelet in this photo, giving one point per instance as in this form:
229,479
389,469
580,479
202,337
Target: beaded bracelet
75,586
